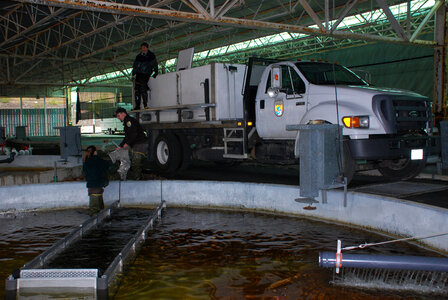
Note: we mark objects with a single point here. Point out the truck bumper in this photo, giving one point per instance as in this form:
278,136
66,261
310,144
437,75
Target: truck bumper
392,147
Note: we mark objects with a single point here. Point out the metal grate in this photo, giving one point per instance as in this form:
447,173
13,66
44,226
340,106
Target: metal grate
59,273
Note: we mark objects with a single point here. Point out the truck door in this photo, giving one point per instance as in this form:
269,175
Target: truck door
285,108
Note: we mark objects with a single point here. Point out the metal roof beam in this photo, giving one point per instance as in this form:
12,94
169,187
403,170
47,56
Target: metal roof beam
30,28
51,84
198,7
79,37
393,22
30,39
425,21
225,8
112,7
312,14
348,7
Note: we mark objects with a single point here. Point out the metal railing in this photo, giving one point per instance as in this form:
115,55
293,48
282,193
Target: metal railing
129,252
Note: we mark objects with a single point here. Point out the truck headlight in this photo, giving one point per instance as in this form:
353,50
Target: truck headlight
356,122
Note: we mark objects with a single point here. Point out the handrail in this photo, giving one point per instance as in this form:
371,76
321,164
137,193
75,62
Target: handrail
176,107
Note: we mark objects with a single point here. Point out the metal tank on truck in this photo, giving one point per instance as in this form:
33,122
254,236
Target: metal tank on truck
232,112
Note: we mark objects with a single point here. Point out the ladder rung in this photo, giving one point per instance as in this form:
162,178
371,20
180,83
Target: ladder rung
233,139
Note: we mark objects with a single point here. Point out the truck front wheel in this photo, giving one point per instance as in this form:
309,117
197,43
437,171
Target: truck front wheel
401,169
167,154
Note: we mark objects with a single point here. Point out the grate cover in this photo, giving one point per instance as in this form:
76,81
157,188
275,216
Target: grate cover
59,273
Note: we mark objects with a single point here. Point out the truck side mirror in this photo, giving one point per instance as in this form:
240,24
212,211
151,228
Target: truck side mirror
273,92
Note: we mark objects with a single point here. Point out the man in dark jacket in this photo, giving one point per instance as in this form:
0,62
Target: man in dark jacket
96,171
134,139
145,64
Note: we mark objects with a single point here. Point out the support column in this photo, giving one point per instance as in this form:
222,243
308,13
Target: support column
45,116
440,94
66,107
445,71
21,111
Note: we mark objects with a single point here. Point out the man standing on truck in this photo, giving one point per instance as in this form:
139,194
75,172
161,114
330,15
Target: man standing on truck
145,64
134,139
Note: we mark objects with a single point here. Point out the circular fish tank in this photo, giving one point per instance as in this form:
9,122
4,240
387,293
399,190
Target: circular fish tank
213,254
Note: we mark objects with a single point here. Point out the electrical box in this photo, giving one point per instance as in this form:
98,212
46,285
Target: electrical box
21,133
320,152
70,141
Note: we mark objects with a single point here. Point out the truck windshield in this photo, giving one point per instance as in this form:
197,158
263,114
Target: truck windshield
324,73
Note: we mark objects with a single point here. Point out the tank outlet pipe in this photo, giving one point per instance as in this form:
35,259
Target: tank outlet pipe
368,261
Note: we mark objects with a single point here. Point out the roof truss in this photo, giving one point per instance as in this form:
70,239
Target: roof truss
62,41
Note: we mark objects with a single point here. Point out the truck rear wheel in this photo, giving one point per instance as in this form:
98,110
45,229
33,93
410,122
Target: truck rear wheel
167,154
402,169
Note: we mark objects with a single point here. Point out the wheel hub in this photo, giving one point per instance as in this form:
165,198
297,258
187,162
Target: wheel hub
163,152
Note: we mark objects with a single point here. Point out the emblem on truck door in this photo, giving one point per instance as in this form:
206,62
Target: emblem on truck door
278,108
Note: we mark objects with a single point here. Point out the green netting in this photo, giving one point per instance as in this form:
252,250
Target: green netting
389,65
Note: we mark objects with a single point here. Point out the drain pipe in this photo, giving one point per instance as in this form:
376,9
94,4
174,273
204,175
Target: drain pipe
367,261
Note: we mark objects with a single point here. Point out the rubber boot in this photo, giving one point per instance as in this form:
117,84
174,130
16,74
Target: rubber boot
96,203
136,162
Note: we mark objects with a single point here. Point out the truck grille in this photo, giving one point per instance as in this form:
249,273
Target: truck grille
400,114
411,114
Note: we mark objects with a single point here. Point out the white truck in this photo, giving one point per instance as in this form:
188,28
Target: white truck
225,112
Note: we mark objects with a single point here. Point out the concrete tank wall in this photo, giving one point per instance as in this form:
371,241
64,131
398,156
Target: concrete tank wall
398,217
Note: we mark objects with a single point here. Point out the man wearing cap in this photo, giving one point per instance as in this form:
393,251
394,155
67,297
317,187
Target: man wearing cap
145,65
134,139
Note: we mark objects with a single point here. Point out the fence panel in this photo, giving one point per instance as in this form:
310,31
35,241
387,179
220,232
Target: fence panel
34,119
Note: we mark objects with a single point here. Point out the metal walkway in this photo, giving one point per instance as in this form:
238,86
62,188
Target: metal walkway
401,189
87,261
